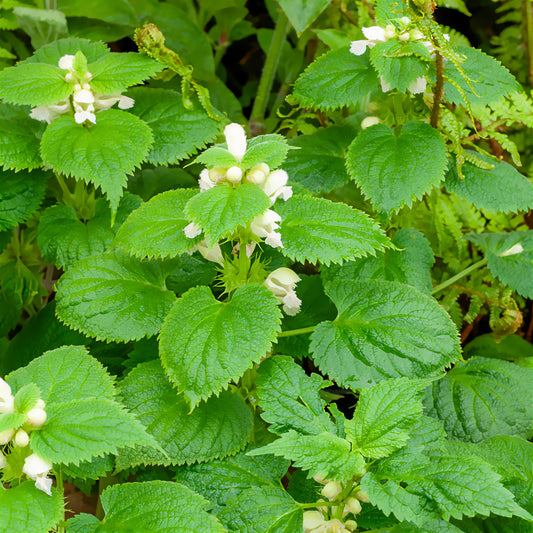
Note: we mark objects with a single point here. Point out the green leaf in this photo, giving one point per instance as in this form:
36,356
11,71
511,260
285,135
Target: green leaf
19,139
302,13
399,63
316,229
64,374
101,154
178,132
205,344
28,509
410,263
21,194
501,188
42,25
512,348
26,398
392,170
34,84
219,427
318,165
82,523
11,421
270,149
119,12
78,430
506,261
114,297
156,228
488,80
114,73
157,514
96,468
53,52
383,330
438,487
64,239
218,211
325,454
336,79
263,510
290,399
482,398
384,416
217,156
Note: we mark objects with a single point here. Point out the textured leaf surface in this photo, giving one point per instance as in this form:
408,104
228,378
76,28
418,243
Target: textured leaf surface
270,149
178,132
114,73
410,263
216,428
325,454
263,509
290,398
156,228
21,194
114,297
26,508
218,211
383,329
158,512
19,139
315,229
302,13
205,344
489,80
53,52
81,429
501,188
482,398
514,270
336,79
318,165
102,154
34,84
64,374
392,170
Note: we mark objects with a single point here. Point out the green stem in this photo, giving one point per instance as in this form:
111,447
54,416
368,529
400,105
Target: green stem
257,116
103,483
301,331
64,186
529,22
61,490
317,504
457,277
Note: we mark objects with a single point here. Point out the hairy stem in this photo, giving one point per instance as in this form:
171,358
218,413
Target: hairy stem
257,116
462,274
438,91
301,331
103,483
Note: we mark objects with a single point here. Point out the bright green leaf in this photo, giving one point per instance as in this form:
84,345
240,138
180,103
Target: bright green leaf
53,52
302,13
270,149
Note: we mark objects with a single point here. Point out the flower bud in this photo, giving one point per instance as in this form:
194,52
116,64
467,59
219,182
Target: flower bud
362,497
416,35
234,174
213,253
319,478
312,520
369,121
36,417
353,506
39,404
390,31
331,490
22,439
404,36
236,140
405,20
6,436
192,230
258,174
66,62
350,525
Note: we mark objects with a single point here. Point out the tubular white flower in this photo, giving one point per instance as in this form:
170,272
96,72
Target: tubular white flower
312,520
192,230
362,497
331,490
37,469
22,439
275,186
213,253
258,174
265,226
353,506
369,121
6,436
81,115
418,86
236,140
373,34
83,96
3,462
404,36
66,62
350,525
36,417
514,250
5,390
282,283
234,175
105,101
205,182
47,113
44,483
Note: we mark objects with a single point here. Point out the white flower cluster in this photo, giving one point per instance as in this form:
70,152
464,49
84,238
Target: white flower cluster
274,185
34,467
84,100
282,282
377,34
318,521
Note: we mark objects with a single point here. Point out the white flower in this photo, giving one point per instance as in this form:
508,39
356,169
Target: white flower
3,462
192,230
362,497
331,526
312,520
418,86
105,101
350,525
275,186
36,417
234,175
81,114
5,394
66,62
385,87
37,469
47,113
213,253
353,506
331,490
6,436
514,250
258,174
374,35
39,404
369,121
22,439
282,283
265,226
236,140
83,96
